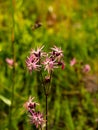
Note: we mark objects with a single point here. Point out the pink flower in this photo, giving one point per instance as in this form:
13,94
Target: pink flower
32,63
10,61
49,64
57,52
39,59
73,62
38,53
30,105
37,119
86,68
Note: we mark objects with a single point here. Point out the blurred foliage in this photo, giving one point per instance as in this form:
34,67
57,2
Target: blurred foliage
70,24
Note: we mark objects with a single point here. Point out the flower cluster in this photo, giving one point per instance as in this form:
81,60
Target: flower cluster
49,61
85,68
36,117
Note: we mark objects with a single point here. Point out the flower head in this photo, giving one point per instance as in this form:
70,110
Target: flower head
10,61
49,64
86,68
57,52
48,61
30,104
38,53
32,63
73,62
37,119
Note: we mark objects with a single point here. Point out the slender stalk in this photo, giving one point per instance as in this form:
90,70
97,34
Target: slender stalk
46,92
43,84
46,98
40,128
12,5
46,111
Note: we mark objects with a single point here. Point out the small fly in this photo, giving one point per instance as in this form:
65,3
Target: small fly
36,25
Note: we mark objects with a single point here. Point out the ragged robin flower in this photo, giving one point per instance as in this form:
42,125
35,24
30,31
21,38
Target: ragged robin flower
30,105
37,119
73,62
86,68
38,53
49,61
49,64
32,63
9,61
57,53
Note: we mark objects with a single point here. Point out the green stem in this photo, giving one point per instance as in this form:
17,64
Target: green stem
46,111
46,92
12,5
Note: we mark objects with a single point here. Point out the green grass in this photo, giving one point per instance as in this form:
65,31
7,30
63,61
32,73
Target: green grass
75,30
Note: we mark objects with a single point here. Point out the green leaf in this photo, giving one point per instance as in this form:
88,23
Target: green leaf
5,100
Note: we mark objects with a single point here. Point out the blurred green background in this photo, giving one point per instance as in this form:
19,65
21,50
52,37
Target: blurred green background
69,24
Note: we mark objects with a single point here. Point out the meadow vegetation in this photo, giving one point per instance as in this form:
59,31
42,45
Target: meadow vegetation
69,24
